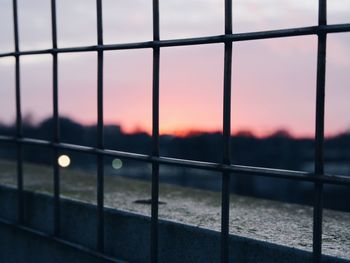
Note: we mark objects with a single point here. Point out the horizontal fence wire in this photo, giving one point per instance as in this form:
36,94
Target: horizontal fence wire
318,177
301,31
218,167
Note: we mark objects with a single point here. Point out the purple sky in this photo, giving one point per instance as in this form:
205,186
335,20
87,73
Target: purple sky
274,81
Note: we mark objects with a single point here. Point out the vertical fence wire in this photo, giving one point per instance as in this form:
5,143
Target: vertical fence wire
56,129
100,141
225,193
19,132
155,137
319,133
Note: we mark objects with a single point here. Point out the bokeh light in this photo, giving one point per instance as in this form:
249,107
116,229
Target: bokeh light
64,160
117,164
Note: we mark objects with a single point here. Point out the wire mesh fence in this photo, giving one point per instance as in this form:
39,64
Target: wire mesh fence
318,177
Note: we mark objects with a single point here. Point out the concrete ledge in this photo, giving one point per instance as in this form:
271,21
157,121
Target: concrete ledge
126,237
275,222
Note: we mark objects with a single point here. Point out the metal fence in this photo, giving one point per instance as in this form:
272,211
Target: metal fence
318,177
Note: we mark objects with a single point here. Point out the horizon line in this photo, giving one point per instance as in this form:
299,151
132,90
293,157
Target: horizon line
183,133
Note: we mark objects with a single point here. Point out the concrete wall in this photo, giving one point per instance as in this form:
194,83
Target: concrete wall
126,237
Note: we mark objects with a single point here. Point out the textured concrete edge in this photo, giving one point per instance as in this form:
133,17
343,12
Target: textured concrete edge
127,234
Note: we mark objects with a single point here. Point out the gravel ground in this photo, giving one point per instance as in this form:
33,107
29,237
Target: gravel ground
276,222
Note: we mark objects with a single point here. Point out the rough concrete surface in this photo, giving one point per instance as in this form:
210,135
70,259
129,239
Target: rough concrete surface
275,222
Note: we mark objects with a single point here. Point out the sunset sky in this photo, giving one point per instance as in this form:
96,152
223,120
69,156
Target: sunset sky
274,81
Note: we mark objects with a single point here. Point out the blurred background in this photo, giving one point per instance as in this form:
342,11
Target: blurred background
273,92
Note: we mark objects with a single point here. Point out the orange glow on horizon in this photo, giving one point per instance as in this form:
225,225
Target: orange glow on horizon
185,131
178,131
